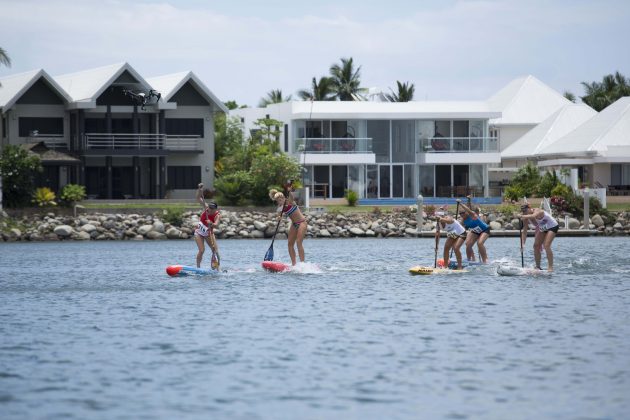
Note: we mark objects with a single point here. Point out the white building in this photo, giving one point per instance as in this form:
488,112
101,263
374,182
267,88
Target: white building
387,151
130,143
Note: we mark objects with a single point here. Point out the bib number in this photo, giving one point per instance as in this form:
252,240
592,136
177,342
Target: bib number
203,229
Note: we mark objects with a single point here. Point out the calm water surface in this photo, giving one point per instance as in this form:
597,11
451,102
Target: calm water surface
97,330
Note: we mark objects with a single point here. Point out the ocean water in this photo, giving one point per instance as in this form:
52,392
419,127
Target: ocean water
98,330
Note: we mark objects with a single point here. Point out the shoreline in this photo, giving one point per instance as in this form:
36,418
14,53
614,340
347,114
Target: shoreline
247,224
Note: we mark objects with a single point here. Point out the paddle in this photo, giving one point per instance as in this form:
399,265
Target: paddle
437,242
520,235
269,253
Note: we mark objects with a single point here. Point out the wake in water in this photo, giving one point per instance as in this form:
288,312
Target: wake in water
306,268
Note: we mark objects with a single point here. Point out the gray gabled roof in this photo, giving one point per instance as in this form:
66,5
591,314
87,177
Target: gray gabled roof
13,87
169,84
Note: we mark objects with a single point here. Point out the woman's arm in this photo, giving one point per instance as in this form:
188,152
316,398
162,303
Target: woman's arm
465,208
199,196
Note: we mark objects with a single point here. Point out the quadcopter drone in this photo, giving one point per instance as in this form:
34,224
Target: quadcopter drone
142,98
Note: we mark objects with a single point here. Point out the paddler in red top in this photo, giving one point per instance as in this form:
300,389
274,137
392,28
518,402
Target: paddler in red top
208,220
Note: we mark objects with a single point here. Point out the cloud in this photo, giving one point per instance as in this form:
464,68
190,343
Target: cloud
451,50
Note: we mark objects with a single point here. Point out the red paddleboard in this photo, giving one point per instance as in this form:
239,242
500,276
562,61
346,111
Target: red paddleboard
275,267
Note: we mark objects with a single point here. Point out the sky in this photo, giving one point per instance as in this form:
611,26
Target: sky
449,50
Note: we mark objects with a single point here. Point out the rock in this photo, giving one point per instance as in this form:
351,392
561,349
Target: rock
324,233
158,226
391,226
63,231
257,234
88,227
243,233
618,226
494,225
260,226
153,234
370,233
411,231
173,233
597,220
83,236
144,229
574,223
356,231
15,233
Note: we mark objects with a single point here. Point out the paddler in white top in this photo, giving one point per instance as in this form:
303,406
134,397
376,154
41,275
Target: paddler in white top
455,236
546,229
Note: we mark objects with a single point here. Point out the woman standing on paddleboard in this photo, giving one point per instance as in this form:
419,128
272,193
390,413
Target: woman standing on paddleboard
204,232
478,232
297,231
546,229
455,235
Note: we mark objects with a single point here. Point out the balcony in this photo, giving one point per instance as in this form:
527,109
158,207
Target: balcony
459,145
334,145
334,150
52,141
98,143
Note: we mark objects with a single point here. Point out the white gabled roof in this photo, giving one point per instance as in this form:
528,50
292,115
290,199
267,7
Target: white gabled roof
605,134
526,101
169,84
549,131
13,87
87,85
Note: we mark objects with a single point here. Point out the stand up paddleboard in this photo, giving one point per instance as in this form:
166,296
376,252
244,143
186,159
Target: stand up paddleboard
275,267
424,271
512,270
184,270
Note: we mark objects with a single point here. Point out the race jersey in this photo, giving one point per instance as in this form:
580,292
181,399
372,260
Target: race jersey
546,222
204,221
475,224
454,228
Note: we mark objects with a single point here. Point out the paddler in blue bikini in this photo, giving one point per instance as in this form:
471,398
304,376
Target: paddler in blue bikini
286,202
455,236
478,232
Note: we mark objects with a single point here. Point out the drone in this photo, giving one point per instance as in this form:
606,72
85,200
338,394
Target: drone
142,98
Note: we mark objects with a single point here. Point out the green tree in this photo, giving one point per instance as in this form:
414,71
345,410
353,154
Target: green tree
598,95
234,187
320,91
404,94
346,81
273,97
228,138
17,170
570,96
270,171
230,105
525,182
267,133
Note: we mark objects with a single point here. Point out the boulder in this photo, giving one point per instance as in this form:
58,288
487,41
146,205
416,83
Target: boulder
83,236
356,231
597,220
257,234
173,233
88,227
63,231
158,226
153,234
324,233
494,225
574,223
260,226
144,229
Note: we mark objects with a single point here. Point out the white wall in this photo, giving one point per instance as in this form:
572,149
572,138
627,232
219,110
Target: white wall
508,134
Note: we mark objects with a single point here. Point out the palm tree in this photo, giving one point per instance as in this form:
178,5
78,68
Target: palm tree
320,91
4,59
346,81
568,95
405,92
274,96
612,87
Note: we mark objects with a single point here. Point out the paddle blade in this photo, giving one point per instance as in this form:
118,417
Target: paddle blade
269,254
214,262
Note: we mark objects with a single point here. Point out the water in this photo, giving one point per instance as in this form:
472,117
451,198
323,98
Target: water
97,330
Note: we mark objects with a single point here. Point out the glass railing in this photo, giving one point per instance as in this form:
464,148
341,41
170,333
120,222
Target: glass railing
459,145
141,141
333,145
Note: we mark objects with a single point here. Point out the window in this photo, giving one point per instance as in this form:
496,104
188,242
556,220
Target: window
43,126
184,126
184,177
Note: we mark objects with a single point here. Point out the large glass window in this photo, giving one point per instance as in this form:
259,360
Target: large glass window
403,133
372,181
397,181
184,177
379,132
476,135
356,179
443,180
409,177
28,126
426,180
426,131
476,180
460,136
384,181
184,126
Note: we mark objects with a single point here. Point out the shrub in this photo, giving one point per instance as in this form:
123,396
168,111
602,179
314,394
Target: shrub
377,211
547,183
561,190
526,180
72,193
44,197
268,170
514,192
17,168
234,187
508,210
429,210
352,197
173,216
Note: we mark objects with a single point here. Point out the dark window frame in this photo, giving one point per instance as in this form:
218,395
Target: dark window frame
45,126
183,177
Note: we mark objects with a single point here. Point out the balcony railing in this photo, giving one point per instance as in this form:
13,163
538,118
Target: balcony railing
52,141
459,145
334,145
92,141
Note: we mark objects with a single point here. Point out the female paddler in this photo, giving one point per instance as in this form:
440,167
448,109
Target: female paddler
287,207
478,232
455,235
546,228
208,220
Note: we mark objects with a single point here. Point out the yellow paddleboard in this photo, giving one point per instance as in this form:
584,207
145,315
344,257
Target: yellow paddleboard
424,271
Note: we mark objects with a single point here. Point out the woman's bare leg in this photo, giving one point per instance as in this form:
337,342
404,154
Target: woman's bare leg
200,249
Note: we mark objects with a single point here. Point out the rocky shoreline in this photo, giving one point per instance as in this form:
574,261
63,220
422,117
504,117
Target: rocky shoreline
245,224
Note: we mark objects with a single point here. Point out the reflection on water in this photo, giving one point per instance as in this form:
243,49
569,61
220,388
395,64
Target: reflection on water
97,330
